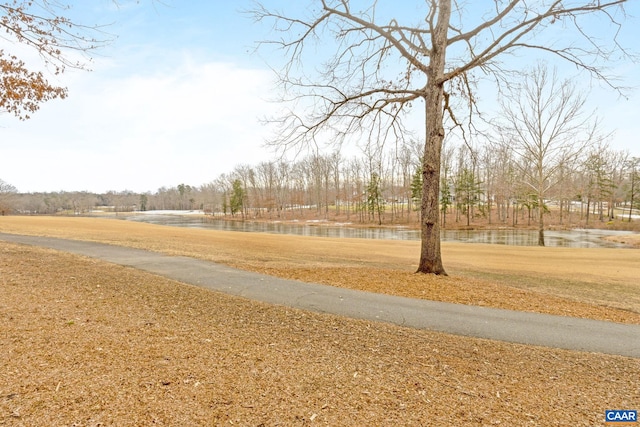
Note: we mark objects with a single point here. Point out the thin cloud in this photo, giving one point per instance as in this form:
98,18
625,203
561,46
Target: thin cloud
186,124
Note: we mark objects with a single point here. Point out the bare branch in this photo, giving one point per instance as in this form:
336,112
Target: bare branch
524,26
40,25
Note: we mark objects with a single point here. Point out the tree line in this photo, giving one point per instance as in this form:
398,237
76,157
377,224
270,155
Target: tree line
490,183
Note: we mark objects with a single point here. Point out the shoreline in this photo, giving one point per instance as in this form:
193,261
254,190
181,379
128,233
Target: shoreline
629,238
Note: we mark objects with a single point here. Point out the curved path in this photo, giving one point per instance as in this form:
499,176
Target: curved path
491,323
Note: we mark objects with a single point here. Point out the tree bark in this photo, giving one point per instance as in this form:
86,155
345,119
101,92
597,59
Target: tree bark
540,221
540,203
430,256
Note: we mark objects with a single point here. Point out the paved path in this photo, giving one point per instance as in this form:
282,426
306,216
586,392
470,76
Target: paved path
504,325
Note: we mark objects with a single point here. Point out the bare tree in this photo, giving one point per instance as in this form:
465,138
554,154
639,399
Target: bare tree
335,159
7,191
546,125
407,167
599,168
633,165
618,160
263,184
378,67
223,186
282,186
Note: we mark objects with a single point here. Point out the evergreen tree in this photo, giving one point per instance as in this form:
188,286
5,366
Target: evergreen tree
237,198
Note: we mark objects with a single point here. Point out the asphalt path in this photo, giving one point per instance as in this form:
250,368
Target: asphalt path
504,325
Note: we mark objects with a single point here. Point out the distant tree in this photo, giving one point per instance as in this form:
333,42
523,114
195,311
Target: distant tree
416,188
634,184
144,199
406,165
210,198
81,201
335,161
236,204
225,203
532,203
446,199
375,200
446,169
185,192
467,192
600,183
42,26
544,122
245,174
357,181
618,160
7,191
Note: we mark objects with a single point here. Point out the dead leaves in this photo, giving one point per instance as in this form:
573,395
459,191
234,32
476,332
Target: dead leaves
144,350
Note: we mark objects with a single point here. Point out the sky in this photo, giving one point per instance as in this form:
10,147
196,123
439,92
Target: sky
178,96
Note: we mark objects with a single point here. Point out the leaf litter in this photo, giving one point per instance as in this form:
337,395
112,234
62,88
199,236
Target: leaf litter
87,343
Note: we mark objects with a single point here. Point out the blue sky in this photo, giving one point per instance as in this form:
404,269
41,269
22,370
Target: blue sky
177,97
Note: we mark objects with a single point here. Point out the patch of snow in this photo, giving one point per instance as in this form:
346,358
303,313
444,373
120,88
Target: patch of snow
627,216
171,212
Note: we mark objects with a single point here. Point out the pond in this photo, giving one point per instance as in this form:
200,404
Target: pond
560,238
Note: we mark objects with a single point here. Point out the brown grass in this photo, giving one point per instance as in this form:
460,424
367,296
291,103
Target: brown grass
593,283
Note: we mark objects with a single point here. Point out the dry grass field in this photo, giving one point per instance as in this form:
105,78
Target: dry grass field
86,343
595,283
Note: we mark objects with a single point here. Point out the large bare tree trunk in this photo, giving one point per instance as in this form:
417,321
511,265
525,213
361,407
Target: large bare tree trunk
430,257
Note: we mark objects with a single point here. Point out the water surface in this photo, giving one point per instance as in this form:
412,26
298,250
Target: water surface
560,238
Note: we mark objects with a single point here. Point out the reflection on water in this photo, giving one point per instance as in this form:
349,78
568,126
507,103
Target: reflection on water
566,238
